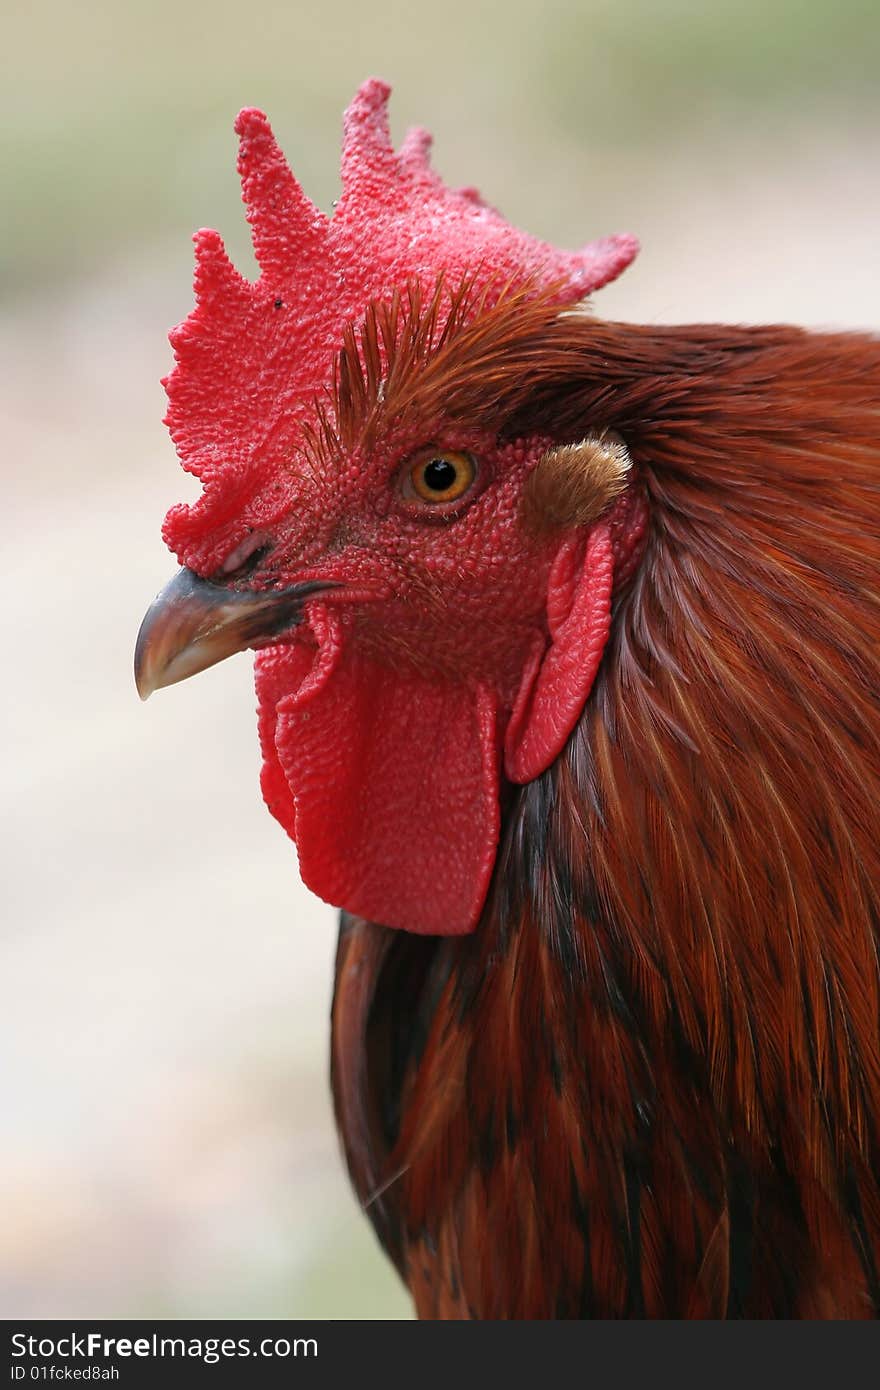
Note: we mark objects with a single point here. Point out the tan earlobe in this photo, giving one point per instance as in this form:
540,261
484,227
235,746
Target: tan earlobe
573,484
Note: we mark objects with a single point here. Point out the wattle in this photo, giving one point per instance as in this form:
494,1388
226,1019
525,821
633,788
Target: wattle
387,780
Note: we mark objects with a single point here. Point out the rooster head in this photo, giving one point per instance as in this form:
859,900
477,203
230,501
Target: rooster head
426,575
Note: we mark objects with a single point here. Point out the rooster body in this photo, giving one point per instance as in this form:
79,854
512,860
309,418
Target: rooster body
623,1060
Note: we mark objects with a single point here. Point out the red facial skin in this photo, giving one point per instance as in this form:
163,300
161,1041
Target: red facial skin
383,716
421,584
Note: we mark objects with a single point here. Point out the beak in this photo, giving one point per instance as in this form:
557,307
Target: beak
192,624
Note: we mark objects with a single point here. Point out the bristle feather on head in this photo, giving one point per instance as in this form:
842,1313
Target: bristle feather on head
254,358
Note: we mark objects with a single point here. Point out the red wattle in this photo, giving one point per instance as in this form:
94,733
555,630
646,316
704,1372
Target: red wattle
554,690
388,782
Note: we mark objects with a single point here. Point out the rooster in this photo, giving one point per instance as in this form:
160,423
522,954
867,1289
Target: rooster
567,641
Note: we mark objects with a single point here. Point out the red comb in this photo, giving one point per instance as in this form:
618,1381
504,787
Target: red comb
251,357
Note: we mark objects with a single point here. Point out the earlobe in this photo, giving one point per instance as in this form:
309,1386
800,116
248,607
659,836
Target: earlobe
559,677
574,484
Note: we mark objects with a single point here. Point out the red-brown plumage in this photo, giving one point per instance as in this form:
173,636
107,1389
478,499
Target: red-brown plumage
649,1082
597,732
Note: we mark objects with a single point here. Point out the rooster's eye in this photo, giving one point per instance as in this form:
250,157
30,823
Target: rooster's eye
439,475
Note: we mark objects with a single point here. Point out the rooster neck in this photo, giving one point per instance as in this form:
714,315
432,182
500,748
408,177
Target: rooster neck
533,1137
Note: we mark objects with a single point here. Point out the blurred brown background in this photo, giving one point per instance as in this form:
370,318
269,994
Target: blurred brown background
167,1145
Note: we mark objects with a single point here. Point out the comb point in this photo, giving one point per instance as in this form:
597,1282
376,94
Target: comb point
367,152
287,229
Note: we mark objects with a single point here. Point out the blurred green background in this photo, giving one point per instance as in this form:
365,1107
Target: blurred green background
167,1143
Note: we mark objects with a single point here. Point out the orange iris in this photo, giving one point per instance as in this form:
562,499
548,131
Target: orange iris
441,475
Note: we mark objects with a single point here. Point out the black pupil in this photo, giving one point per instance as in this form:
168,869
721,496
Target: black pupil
439,475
